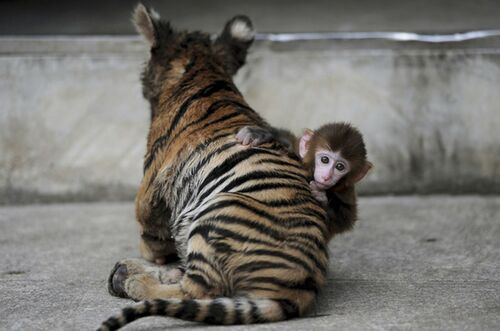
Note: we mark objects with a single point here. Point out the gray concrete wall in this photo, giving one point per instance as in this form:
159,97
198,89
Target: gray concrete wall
73,122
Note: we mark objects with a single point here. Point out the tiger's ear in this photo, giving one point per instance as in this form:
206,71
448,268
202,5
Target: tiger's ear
233,42
149,25
144,20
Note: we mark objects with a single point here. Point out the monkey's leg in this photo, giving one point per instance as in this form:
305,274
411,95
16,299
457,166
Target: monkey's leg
140,270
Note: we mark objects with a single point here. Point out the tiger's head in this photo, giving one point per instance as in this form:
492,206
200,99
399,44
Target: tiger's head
174,53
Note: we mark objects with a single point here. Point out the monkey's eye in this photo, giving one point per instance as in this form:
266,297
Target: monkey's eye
340,166
325,159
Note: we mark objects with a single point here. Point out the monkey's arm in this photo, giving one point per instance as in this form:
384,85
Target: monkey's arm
256,135
342,209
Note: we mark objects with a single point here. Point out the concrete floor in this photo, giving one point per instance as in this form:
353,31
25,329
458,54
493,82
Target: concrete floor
412,263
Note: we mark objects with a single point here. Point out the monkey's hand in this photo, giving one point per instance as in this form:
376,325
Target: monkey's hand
254,135
318,193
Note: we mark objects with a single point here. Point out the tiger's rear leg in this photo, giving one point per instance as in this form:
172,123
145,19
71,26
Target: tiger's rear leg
129,274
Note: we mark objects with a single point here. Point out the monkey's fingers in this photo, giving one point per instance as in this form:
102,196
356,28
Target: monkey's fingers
243,136
257,142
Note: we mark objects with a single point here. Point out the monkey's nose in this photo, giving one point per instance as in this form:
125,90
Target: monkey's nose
326,178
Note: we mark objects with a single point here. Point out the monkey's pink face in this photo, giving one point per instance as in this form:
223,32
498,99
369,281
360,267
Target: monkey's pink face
329,168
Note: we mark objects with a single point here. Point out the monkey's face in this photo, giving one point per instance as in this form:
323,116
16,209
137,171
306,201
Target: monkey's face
329,168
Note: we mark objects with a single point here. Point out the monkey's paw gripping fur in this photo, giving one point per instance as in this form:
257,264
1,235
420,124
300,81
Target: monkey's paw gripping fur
254,136
131,278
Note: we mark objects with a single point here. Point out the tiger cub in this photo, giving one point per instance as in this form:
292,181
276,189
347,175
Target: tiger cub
251,239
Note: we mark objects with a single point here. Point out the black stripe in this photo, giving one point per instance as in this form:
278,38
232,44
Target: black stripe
261,175
311,256
201,230
290,309
215,185
200,280
130,314
219,120
204,230
204,161
250,224
278,254
307,284
238,312
193,267
212,109
291,169
259,265
286,222
223,247
279,153
159,307
112,323
280,203
256,288
216,313
193,155
269,186
319,215
228,164
255,313
183,181
233,202
188,310
218,85
222,104
187,82
279,162
194,256
311,242
289,223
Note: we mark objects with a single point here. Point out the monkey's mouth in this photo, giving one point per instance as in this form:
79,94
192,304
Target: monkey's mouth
323,186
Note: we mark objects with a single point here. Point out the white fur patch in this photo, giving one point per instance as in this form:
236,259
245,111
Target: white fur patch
242,31
154,14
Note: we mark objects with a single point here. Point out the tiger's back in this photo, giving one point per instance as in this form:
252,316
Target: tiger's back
250,236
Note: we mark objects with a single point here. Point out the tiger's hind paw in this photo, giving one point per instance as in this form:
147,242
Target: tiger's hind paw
119,274
130,270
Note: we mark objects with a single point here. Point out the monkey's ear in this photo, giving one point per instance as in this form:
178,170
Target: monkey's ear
304,142
363,171
146,22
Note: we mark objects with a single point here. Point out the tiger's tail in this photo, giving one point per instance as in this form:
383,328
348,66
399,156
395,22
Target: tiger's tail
212,311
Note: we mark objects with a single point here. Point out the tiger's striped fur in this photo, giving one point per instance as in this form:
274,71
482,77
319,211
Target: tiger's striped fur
250,236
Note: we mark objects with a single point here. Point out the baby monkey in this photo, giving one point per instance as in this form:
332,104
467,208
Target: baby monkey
334,155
